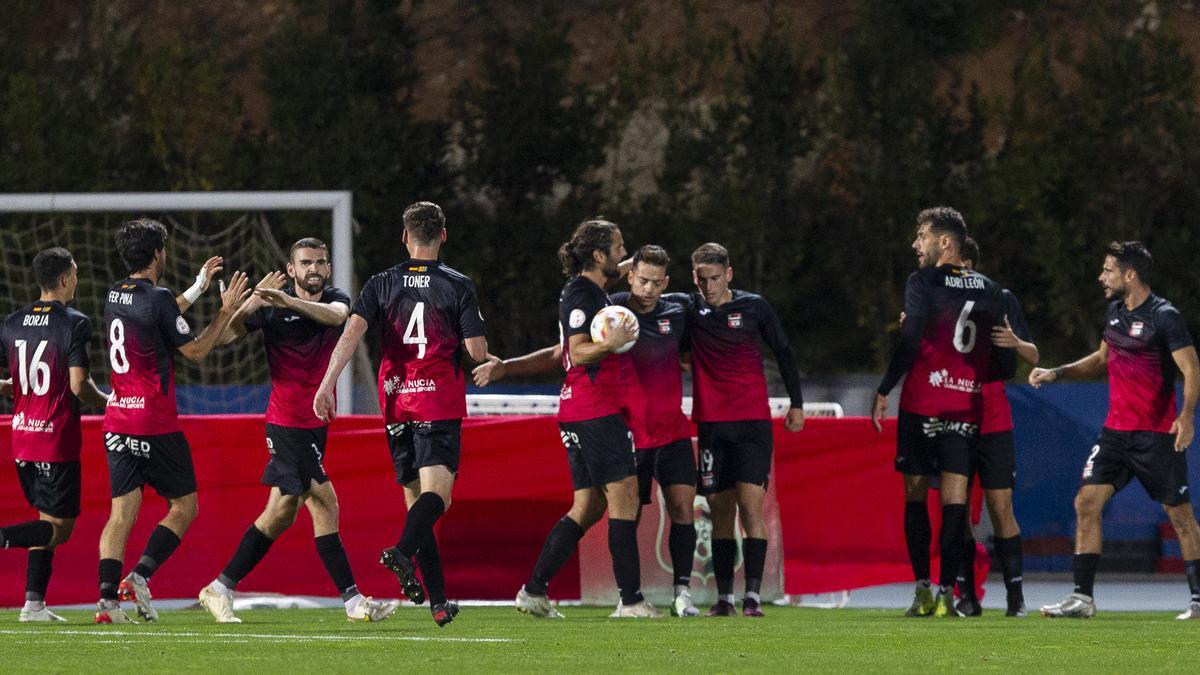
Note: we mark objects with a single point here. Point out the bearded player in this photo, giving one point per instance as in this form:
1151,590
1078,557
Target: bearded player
652,391
430,320
1146,346
946,358
301,322
44,346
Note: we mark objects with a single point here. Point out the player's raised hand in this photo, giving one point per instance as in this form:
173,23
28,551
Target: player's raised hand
272,280
489,371
1003,336
209,271
795,420
1040,376
324,406
272,296
236,293
879,411
1183,428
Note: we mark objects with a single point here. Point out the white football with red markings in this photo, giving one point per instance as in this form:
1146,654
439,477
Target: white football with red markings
612,316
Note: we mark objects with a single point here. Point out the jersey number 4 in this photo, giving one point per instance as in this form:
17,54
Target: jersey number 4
414,333
964,326
40,369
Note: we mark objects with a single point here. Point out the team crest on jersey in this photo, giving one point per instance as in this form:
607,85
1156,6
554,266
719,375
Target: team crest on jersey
1135,329
664,326
735,320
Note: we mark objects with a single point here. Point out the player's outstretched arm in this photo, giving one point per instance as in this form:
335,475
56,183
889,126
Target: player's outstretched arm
327,313
231,299
544,360
236,330
208,271
323,401
1089,366
1184,425
1004,336
85,388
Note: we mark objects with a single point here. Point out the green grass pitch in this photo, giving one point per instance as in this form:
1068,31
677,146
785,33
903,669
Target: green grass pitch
497,638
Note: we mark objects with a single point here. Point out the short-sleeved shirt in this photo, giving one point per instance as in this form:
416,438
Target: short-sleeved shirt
426,311
955,309
997,412
298,351
728,383
594,390
143,327
1141,370
651,379
39,344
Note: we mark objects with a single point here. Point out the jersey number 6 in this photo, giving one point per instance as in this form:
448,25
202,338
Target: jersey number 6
964,324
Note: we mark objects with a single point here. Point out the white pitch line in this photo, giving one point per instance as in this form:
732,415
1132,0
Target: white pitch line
258,636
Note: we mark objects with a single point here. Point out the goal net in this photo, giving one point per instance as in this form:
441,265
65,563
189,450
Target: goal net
232,379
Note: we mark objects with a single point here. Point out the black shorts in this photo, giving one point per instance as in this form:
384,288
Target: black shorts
52,488
996,461
928,446
734,452
418,444
163,462
295,462
1119,456
599,451
672,464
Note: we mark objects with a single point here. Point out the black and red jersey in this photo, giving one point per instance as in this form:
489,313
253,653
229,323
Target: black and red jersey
946,348
728,383
426,311
594,390
1141,369
298,351
997,413
39,344
143,327
651,378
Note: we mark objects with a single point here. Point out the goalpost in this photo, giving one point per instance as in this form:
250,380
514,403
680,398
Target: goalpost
247,244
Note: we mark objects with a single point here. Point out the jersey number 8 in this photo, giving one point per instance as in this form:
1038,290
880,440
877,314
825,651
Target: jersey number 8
116,352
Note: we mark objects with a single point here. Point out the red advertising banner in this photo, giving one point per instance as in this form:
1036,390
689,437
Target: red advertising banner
839,503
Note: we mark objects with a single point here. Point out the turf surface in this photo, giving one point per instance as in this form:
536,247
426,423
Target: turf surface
496,638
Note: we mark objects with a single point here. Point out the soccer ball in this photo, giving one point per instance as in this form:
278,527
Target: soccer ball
611,316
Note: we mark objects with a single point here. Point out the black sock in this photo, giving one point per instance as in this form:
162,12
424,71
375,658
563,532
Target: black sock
966,578
559,546
418,524
1083,566
333,555
627,567
1191,567
682,542
724,557
250,551
27,534
161,545
1008,552
918,534
754,555
110,578
430,562
37,574
950,540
